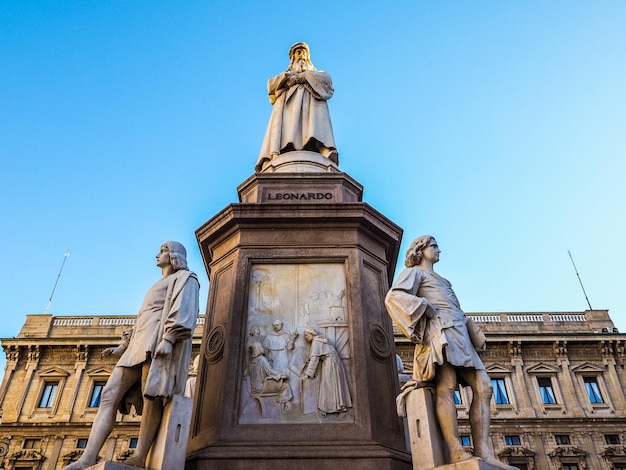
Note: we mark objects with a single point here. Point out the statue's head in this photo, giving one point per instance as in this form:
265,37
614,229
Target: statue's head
414,253
277,325
300,58
178,255
255,330
309,334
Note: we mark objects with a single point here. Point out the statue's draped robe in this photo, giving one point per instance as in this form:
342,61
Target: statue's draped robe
334,394
265,379
169,311
275,345
443,338
300,118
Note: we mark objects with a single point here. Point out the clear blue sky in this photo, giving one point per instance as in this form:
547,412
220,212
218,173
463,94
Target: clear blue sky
499,127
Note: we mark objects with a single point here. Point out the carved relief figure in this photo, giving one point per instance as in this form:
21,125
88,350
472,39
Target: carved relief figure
266,380
154,357
303,294
190,385
300,119
277,345
426,309
334,391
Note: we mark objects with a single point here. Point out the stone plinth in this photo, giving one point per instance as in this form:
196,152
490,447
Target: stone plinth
299,161
309,262
427,445
473,464
170,446
111,466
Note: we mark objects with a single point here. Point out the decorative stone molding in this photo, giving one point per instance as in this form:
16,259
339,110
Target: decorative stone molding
380,345
215,344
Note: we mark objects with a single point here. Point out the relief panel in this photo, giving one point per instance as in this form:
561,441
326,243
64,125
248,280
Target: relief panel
297,348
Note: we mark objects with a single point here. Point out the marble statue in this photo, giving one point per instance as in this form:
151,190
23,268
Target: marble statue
154,357
334,391
300,118
426,309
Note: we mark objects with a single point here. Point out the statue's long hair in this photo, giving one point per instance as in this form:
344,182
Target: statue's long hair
178,255
414,253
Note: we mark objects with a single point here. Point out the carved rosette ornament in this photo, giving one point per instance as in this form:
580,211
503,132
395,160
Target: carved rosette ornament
215,344
380,345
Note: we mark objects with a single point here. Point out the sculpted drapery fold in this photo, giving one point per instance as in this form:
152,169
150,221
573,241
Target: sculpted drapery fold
442,338
171,308
300,119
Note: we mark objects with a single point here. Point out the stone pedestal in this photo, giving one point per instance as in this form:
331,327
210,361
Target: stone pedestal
427,445
170,445
303,249
473,464
111,466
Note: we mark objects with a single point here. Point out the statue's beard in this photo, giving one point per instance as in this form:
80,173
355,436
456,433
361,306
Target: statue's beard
300,65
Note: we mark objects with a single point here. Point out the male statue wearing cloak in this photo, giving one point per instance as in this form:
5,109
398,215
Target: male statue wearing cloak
154,357
426,309
300,119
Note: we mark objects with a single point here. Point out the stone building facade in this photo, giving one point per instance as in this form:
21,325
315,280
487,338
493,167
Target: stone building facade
558,381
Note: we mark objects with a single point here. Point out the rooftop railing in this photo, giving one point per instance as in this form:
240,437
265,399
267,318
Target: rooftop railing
526,317
103,321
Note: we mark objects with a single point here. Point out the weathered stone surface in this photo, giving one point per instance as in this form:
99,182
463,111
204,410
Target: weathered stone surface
170,445
473,464
324,264
427,445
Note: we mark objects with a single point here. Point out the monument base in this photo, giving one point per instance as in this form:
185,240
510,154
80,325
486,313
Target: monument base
428,448
299,161
301,256
472,464
111,466
305,457
170,445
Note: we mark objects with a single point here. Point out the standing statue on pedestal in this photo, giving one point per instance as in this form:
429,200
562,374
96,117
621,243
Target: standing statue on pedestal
424,306
300,119
154,357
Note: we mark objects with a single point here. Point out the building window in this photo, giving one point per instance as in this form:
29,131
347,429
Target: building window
521,466
499,392
457,397
612,439
619,466
570,466
466,440
96,393
546,391
48,394
562,439
32,444
81,443
513,440
133,442
593,391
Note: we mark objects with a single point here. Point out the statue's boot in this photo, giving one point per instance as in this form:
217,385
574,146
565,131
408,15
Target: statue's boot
459,455
136,461
79,465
